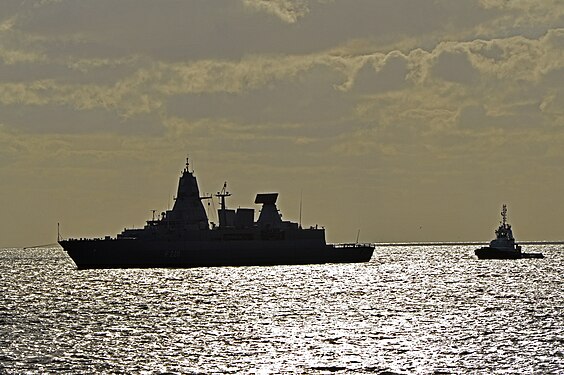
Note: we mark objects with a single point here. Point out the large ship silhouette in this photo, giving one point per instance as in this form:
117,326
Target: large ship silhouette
184,237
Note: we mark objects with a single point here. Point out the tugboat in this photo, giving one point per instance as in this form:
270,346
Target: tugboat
183,237
504,246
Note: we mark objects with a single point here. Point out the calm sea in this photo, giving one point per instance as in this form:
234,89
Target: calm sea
417,309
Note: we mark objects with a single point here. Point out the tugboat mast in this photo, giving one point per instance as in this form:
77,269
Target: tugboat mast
504,215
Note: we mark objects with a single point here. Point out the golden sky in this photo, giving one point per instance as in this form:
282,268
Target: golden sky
406,120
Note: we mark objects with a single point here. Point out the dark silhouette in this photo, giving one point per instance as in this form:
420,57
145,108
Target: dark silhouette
504,246
183,237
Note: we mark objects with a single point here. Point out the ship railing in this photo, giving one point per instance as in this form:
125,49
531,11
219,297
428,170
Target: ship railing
105,238
353,245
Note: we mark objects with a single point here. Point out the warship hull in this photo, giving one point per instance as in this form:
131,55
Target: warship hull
134,253
493,253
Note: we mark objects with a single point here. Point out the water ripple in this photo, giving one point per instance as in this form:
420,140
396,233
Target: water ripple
427,309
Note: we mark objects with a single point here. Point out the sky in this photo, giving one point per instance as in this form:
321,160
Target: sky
390,120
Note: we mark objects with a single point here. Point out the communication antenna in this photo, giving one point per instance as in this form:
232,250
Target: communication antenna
58,232
301,199
357,236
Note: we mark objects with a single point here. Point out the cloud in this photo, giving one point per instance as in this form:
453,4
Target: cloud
135,27
308,97
553,105
455,67
382,73
287,10
63,119
7,24
121,98
339,91
500,59
526,18
329,86
208,76
11,50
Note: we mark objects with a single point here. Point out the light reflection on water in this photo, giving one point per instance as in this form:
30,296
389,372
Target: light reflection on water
425,309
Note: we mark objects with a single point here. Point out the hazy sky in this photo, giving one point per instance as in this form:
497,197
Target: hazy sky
409,120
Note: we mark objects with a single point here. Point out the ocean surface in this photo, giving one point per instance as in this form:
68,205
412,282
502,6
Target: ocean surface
410,310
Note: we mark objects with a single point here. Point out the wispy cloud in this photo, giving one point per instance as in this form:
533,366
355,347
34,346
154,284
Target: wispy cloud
289,11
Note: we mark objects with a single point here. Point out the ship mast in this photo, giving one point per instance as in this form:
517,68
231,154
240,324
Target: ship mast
504,215
222,194
187,165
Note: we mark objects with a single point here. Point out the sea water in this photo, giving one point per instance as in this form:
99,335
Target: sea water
411,309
